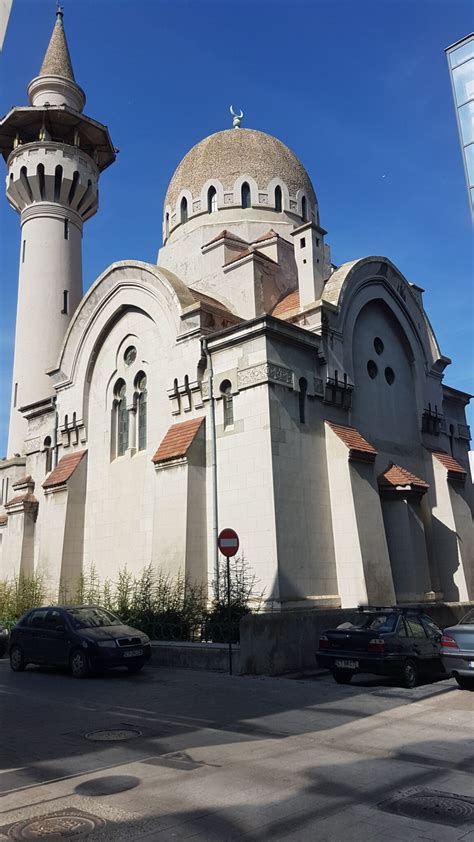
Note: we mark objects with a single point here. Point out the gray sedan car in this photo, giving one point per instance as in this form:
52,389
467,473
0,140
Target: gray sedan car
457,651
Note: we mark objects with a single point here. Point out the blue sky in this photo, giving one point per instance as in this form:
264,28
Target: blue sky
359,90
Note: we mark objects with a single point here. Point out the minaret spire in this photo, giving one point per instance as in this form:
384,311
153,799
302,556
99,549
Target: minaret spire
57,59
55,84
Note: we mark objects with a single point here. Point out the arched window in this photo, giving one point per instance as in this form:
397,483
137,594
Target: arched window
302,398
212,200
121,417
278,199
245,195
140,385
167,225
304,211
184,210
48,453
228,402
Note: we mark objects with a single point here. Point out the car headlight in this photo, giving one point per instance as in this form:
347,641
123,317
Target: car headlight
3,632
106,644
145,641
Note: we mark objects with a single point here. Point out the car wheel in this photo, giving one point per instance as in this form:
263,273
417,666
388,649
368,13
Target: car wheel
342,676
79,664
133,668
17,661
409,675
465,682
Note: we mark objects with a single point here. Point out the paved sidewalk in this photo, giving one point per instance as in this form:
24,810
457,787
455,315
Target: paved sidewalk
221,758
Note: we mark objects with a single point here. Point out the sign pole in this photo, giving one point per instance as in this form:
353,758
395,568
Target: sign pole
229,608
228,543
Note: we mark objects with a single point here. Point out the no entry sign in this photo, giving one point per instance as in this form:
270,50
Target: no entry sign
228,542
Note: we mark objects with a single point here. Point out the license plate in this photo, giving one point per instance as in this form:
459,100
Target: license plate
350,665
133,653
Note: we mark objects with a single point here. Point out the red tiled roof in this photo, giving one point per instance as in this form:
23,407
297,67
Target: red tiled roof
22,481
207,299
248,253
3,519
268,236
64,469
450,463
225,235
21,498
353,440
288,303
396,476
178,440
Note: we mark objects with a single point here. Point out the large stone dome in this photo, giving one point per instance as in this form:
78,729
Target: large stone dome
228,155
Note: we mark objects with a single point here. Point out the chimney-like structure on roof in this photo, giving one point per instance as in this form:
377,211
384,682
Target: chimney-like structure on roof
54,155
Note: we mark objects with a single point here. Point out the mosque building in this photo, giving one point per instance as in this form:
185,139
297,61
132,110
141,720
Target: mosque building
243,380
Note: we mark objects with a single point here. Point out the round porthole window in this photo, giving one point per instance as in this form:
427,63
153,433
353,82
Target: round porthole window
378,345
372,369
130,355
389,375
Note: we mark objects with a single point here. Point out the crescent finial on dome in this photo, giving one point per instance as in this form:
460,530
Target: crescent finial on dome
236,118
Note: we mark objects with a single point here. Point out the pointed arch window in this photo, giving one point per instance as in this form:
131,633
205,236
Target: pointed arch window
278,199
245,195
167,225
212,200
303,383
141,404
120,420
304,209
228,401
184,210
48,454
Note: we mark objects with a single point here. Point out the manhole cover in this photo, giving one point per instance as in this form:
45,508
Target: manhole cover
69,824
109,735
432,806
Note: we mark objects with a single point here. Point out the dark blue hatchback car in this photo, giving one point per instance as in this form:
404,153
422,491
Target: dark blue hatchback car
84,638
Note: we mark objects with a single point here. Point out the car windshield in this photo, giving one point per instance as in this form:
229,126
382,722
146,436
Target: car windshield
468,619
371,622
92,618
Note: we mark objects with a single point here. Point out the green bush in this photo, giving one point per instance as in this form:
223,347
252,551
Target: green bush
164,607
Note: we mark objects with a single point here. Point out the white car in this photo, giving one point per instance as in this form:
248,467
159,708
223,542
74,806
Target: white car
457,651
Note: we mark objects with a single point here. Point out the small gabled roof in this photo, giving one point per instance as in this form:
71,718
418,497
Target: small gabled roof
395,477
178,440
64,469
225,235
453,467
357,444
251,252
290,302
270,235
57,59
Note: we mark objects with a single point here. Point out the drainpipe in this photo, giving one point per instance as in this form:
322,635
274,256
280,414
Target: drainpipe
212,425
55,437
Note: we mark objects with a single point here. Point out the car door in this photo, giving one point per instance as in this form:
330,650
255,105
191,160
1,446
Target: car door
29,635
434,636
422,649
54,642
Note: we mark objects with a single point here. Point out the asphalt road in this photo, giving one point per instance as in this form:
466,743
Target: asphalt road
214,757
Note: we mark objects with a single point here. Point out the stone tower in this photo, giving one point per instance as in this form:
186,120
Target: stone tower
54,155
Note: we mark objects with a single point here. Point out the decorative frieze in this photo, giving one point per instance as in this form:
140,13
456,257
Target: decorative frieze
264,373
464,432
318,387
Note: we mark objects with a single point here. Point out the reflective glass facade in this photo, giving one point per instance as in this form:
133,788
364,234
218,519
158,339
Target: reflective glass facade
461,69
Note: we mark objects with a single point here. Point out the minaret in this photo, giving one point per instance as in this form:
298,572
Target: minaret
54,155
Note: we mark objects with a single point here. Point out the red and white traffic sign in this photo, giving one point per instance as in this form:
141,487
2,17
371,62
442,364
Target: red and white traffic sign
228,542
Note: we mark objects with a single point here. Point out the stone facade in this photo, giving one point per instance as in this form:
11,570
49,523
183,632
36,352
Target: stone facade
341,456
